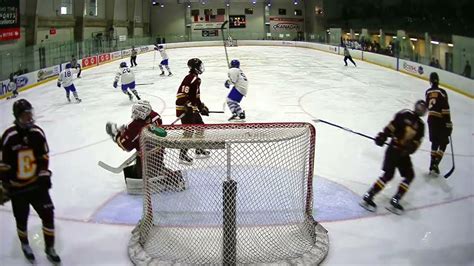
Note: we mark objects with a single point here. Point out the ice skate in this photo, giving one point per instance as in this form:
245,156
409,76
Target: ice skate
434,170
185,159
202,154
52,255
78,100
162,74
395,207
170,74
368,204
28,252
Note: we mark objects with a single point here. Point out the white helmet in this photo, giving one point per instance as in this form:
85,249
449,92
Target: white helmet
141,110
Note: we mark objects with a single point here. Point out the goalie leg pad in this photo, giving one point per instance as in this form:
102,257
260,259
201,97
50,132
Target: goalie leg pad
134,186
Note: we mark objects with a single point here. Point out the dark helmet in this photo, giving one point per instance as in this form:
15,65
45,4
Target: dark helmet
123,64
235,63
160,47
19,107
434,78
420,108
196,65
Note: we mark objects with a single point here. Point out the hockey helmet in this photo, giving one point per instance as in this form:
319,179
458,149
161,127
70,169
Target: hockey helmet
123,64
235,63
141,110
160,47
20,108
420,108
434,78
196,65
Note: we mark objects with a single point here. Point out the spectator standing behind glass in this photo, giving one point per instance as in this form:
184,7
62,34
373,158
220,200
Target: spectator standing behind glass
467,70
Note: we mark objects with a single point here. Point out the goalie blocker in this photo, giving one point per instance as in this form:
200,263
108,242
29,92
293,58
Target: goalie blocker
127,137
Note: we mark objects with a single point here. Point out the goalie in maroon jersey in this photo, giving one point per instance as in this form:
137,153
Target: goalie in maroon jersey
127,137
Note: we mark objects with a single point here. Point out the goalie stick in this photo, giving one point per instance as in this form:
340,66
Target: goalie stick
448,174
130,160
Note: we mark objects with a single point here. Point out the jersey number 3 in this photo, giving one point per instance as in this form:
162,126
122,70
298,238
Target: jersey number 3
26,164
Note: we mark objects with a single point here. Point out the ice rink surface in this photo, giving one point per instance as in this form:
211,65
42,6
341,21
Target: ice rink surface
286,84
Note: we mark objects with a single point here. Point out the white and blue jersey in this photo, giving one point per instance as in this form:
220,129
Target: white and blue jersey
66,77
240,84
127,78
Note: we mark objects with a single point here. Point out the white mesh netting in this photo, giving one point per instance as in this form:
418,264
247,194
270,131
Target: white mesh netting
248,202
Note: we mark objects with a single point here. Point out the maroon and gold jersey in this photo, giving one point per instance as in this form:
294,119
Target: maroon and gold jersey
26,152
406,130
188,94
438,106
129,138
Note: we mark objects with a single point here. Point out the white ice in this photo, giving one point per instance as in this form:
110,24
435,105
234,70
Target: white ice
286,84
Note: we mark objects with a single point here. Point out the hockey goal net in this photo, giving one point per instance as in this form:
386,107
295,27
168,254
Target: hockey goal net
249,202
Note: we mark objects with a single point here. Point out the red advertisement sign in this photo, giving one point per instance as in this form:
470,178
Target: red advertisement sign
89,61
9,20
52,31
9,34
104,58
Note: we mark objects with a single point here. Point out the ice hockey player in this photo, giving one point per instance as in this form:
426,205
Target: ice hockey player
439,121
12,86
127,138
188,101
406,130
127,80
133,57
76,65
26,178
164,62
238,85
65,79
347,55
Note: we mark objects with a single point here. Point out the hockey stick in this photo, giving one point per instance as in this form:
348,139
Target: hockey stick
223,40
448,174
216,112
120,168
346,129
154,58
138,84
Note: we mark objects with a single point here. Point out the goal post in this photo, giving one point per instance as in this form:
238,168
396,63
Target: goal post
249,202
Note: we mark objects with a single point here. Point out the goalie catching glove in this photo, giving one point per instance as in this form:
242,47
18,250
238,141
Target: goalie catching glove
112,130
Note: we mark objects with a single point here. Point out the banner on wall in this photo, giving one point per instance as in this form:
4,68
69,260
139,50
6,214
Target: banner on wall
207,26
116,55
413,68
104,58
21,81
9,20
89,61
48,72
279,24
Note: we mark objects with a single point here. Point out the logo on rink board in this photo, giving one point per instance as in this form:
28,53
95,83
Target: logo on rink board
413,68
89,61
104,58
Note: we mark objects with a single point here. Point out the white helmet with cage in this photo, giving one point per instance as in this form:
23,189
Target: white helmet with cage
141,110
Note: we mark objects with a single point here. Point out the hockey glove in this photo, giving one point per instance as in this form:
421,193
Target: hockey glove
59,84
227,84
380,139
449,129
204,110
44,178
115,84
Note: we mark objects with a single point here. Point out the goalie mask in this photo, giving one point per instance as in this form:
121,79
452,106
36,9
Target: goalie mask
141,110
